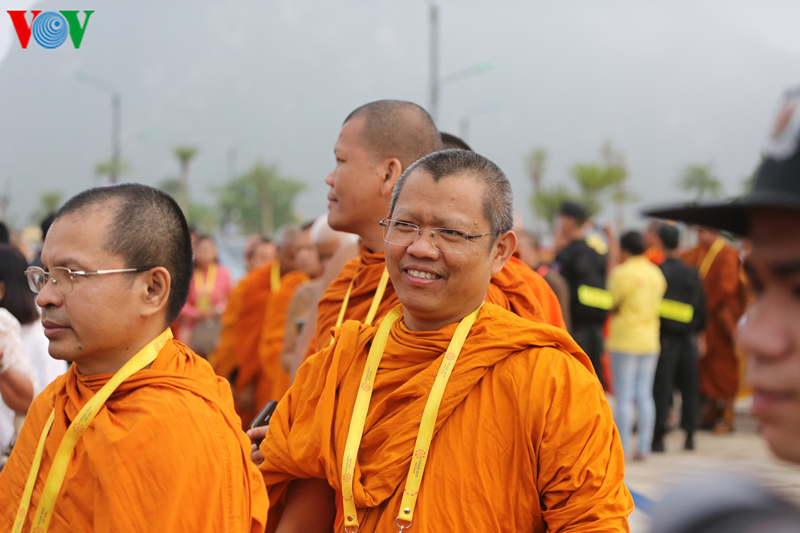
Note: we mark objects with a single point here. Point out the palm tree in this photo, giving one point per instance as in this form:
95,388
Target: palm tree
536,165
700,180
184,155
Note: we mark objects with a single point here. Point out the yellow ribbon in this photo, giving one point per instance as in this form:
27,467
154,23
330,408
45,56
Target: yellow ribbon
275,277
425,434
705,266
376,300
204,290
58,470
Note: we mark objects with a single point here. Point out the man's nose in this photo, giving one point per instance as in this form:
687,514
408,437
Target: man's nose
763,330
423,246
48,296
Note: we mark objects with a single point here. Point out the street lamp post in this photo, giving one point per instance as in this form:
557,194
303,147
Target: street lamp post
116,119
463,127
436,81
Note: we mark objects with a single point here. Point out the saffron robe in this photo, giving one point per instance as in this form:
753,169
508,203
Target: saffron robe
516,287
165,453
259,307
223,359
274,380
719,368
524,439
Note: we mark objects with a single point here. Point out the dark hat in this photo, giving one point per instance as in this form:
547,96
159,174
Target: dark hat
574,210
777,182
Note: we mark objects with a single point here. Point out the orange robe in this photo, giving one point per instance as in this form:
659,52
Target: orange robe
655,255
524,439
165,453
223,359
261,311
516,287
719,369
274,380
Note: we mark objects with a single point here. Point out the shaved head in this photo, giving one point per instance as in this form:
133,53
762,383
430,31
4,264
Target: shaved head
397,129
148,229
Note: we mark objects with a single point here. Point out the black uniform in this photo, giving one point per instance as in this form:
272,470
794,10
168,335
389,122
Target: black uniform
580,264
677,365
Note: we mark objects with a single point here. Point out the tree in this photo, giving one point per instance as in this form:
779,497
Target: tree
700,180
106,168
548,201
49,202
200,216
536,162
259,200
184,155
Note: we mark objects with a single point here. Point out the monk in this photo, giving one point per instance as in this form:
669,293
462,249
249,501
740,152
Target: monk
520,438
376,143
258,251
718,264
259,326
139,434
325,243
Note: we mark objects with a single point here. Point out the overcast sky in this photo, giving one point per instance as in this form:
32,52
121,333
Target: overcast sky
669,83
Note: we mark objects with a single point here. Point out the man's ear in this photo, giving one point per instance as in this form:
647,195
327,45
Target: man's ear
504,248
156,291
391,170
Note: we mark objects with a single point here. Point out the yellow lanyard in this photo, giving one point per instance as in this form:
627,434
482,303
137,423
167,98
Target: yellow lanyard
275,277
425,434
204,290
376,300
55,478
705,266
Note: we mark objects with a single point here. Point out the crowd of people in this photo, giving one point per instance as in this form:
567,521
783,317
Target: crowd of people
434,366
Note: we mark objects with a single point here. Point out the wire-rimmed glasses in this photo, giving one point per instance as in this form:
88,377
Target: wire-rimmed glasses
62,277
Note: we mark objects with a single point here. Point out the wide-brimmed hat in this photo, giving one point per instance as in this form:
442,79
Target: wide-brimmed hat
776,185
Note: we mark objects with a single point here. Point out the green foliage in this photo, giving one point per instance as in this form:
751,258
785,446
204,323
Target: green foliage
596,182
106,168
185,153
700,180
49,202
259,200
201,216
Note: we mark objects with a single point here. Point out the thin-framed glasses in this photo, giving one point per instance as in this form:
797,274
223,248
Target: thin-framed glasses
453,241
61,277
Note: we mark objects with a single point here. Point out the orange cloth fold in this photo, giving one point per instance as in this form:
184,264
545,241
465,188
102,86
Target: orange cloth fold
252,336
516,287
522,409
274,380
165,453
223,359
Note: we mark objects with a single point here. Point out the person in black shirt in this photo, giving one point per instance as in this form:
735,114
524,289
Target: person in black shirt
677,366
582,266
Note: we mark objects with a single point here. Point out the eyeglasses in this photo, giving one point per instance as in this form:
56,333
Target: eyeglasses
446,240
62,277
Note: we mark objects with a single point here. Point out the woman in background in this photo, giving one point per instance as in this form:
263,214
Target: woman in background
18,383
208,296
19,300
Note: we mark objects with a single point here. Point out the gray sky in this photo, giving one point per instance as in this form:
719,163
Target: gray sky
669,83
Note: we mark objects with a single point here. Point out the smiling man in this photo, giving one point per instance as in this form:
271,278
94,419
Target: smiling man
139,434
450,412
376,143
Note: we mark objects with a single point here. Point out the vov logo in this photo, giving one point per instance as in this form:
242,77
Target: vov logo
50,29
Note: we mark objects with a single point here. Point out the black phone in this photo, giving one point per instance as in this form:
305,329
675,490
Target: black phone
262,418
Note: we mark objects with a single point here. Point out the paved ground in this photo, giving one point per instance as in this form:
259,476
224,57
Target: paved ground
740,452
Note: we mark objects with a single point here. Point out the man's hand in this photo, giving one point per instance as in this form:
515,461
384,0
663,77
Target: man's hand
257,433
